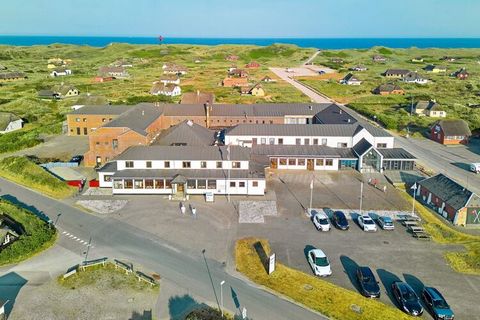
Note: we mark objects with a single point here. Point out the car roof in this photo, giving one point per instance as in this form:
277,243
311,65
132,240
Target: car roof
339,213
434,293
386,218
366,271
318,253
403,286
321,215
366,216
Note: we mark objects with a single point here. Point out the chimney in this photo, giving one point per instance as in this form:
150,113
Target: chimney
349,120
198,93
207,114
310,108
340,111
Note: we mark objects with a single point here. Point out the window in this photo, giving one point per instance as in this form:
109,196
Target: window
212,184
292,162
263,140
301,162
255,184
192,184
168,184
271,121
166,164
306,141
85,131
219,165
203,164
148,164
186,164
148,183
107,178
77,119
315,141
98,159
381,145
254,141
201,184
298,141
236,165
117,184
128,164
283,162
233,184
341,145
115,143
319,162
97,143
128,183
241,184
84,119
138,184
271,141
324,141
106,143
329,162
78,131
104,120
159,184
280,140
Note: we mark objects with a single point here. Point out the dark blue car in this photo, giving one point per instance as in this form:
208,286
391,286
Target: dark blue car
437,304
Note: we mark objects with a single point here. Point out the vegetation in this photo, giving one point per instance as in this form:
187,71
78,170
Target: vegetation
459,98
207,313
331,300
467,261
39,235
25,172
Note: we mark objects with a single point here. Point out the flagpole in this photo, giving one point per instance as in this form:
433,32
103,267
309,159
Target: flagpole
361,197
414,187
311,193
229,164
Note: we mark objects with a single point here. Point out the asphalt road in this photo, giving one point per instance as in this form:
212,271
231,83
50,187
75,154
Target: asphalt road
116,239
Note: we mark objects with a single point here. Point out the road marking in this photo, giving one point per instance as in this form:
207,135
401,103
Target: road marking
79,239
70,236
64,232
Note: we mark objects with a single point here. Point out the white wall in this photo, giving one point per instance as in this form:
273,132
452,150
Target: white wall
14,125
246,141
178,164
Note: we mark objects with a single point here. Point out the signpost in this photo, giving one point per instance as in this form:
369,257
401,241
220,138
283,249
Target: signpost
271,263
414,188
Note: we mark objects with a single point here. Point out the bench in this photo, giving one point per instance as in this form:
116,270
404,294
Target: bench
421,236
410,223
416,229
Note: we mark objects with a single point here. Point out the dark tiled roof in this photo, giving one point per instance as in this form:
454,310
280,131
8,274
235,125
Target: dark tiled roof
362,147
184,153
334,115
300,130
454,127
303,150
103,109
137,118
108,167
448,190
186,133
395,153
401,72
388,87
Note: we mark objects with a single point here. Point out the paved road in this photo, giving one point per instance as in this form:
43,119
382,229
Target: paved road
120,240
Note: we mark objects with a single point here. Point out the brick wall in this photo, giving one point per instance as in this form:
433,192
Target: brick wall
83,124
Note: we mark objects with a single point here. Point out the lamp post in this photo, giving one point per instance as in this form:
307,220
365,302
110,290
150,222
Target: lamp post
221,296
361,197
414,188
228,173
311,194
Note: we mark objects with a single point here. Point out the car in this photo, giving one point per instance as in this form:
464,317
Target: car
368,283
386,223
407,298
321,72
319,263
437,304
367,223
340,220
77,159
320,220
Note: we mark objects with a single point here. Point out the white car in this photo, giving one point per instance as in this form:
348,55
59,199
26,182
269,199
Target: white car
320,220
367,223
319,263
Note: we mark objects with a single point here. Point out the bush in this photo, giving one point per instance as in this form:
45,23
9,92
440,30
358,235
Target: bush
38,237
206,313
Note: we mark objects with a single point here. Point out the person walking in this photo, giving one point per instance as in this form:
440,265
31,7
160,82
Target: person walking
182,208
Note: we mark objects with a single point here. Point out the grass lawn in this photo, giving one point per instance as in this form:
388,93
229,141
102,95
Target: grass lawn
465,262
39,235
320,295
23,171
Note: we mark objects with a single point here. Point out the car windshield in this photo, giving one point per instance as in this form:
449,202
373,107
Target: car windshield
341,218
441,304
367,221
323,221
387,222
409,295
321,261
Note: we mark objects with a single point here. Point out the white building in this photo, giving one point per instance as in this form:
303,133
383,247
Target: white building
350,80
9,122
183,170
60,72
169,89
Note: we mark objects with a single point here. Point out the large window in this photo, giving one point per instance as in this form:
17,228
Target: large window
233,184
329,162
324,141
254,140
212,184
271,141
128,183
203,164
192,184
301,162
306,141
201,184
115,143
148,183
168,184
263,140
381,145
186,164
166,164
292,162
219,165
129,164
298,141
283,161
341,145
159,184
138,183
148,164
315,141
280,140
255,184
241,184
236,165
107,178
117,184
319,162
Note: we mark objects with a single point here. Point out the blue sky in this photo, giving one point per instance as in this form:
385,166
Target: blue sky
244,18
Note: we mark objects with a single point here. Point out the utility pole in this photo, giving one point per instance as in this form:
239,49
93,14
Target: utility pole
414,188
221,296
311,194
228,172
361,197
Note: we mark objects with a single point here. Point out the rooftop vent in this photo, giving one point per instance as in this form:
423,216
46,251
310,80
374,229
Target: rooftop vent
190,123
310,108
349,120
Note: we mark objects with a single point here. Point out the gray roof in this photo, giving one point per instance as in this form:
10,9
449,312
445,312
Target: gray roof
186,133
362,147
333,114
427,105
412,76
188,173
395,154
388,87
108,167
454,127
401,72
12,75
138,118
449,191
315,151
350,77
103,109
197,98
300,130
185,153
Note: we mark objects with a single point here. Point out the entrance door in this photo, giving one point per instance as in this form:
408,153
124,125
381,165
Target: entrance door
310,164
180,187
273,163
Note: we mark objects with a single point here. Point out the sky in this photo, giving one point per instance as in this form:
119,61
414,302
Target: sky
242,19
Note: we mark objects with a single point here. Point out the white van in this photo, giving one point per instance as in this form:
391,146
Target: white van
475,167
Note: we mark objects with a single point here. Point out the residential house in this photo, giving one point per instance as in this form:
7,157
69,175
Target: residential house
257,90
115,72
268,79
234,82
359,68
430,109
60,72
235,72
169,89
337,60
379,59
173,68
461,74
414,77
85,120
9,122
10,231
59,91
350,80
232,58
388,88
435,69
396,73
198,98
417,59
2,67
252,65
450,132
12,76
57,62
449,59
169,78
450,199
122,63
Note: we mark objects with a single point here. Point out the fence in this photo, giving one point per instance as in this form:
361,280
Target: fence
91,263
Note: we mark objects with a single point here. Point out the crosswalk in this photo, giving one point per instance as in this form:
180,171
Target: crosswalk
74,238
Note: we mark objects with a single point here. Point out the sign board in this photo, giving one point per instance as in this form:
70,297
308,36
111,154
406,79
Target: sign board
209,197
271,263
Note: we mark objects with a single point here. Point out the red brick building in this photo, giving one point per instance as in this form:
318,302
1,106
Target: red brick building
450,132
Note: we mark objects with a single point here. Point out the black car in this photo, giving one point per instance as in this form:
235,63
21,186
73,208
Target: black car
340,220
437,304
77,159
407,298
368,284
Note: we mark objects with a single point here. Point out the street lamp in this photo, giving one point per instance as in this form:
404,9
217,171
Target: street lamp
221,296
56,220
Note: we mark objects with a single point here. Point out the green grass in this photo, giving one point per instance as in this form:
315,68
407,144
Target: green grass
467,261
320,295
23,171
39,235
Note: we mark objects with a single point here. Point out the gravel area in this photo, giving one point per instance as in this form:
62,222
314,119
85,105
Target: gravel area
97,192
103,206
255,211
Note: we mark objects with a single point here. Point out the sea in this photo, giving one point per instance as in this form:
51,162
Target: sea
320,43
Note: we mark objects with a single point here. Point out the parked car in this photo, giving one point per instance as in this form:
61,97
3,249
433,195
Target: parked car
368,283
386,223
367,223
319,263
340,220
320,220
437,304
77,159
407,298
475,167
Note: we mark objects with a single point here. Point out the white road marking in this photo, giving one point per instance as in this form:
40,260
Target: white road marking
75,238
70,236
64,232
79,239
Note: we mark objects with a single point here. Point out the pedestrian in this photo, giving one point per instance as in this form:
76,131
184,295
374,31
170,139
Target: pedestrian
194,212
182,209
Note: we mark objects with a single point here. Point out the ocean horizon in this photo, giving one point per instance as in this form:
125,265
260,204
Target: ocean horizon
319,43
